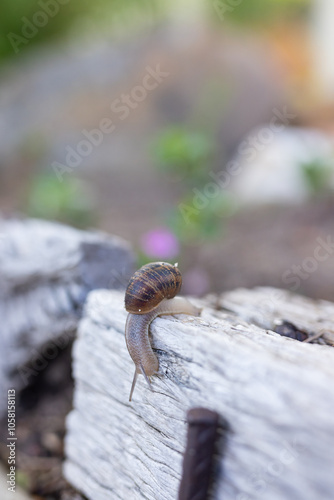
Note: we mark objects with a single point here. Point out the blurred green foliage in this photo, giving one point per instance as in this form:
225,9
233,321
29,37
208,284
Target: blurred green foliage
71,202
23,480
257,11
115,16
188,156
183,153
206,223
62,17
317,175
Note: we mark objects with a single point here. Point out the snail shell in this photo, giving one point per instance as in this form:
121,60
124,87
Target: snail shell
150,293
150,285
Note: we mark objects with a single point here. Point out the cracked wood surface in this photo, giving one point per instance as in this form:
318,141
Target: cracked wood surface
276,394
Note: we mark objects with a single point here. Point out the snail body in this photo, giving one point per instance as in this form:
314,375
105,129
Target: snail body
150,293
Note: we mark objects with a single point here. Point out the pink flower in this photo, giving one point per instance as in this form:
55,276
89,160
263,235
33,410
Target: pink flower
160,243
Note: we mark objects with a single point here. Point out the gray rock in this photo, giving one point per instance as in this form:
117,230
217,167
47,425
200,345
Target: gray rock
272,172
47,270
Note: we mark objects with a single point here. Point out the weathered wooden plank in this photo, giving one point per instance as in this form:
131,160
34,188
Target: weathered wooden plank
268,307
276,394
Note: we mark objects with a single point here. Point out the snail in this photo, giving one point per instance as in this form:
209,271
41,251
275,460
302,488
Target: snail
150,293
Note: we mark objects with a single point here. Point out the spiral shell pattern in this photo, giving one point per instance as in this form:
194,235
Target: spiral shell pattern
150,285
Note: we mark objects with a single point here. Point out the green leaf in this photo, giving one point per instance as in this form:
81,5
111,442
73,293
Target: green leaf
317,174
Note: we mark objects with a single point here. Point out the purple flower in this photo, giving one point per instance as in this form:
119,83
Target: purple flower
160,243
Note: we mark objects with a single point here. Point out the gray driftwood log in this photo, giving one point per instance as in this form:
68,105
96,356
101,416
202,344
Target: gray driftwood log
276,393
46,271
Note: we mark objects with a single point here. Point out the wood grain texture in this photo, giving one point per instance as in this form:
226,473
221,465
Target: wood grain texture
46,272
277,395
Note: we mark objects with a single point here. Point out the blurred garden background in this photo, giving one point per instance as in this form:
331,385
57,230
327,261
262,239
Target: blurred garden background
200,131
